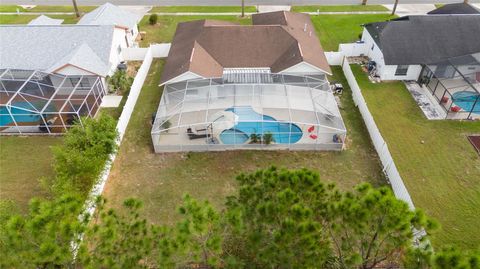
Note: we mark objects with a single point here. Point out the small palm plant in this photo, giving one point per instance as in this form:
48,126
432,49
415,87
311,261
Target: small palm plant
268,138
254,138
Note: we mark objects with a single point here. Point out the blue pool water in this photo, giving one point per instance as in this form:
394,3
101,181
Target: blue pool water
250,122
20,115
465,100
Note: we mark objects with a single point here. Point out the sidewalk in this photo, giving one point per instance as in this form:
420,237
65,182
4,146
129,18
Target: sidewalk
411,9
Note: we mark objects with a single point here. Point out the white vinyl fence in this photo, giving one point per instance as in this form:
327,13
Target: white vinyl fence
379,143
381,147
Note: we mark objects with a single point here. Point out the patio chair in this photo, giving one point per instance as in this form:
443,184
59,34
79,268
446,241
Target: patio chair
196,134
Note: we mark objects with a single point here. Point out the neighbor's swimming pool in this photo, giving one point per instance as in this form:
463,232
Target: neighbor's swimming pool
19,114
250,122
466,100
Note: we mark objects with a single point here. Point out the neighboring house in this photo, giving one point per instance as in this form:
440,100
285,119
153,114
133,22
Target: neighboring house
108,14
61,49
277,42
457,8
45,20
401,47
52,74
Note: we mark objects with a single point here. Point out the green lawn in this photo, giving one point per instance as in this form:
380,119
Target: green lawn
343,8
24,161
46,9
24,19
11,8
335,29
442,174
202,9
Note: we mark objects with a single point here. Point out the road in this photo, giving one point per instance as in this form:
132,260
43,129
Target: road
220,2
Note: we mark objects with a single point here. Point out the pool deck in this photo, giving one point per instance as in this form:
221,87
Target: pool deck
430,106
427,103
179,136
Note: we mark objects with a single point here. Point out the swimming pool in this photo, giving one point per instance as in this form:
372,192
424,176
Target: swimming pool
19,114
465,100
250,122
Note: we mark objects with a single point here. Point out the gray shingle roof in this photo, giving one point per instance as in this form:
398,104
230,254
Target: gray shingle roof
45,20
42,47
108,14
457,8
426,39
82,57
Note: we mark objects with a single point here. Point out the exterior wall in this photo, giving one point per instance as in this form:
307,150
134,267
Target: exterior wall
116,56
132,35
72,70
302,68
386,72
182,77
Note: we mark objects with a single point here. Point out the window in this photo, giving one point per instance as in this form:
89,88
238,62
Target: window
373,46
119,49
74,81
83,84
401,70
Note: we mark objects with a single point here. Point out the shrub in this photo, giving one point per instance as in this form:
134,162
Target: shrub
120,81
153,19
268,138
83,154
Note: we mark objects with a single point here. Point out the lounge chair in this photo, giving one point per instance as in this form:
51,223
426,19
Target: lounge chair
196,133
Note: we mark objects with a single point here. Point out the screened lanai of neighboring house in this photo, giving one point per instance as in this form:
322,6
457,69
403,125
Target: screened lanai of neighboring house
455,84
275,112
38,102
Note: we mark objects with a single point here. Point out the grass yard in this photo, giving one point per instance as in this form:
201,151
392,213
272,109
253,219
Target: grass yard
11,8
443,173
24,19
335,29
160,180
202,9
341,8
24,161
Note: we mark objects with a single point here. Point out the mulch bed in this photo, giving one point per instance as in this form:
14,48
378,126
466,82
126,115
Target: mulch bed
475,140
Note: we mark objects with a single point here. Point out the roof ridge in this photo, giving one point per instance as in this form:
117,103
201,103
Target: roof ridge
102,9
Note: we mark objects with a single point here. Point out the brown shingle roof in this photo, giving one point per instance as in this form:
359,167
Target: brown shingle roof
276,40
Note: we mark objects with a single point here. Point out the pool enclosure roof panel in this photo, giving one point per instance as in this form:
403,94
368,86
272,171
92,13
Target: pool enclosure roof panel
36,91
293,99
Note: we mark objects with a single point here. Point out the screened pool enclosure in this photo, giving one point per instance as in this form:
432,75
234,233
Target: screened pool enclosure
37,102
270,111
455,84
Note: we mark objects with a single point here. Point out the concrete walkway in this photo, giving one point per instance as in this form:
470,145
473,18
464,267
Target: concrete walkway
139,10
412,9
264,9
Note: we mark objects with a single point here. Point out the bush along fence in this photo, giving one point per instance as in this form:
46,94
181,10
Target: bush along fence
388,165
154,51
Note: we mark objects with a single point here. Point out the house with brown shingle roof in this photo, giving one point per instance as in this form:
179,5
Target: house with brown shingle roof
277,42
